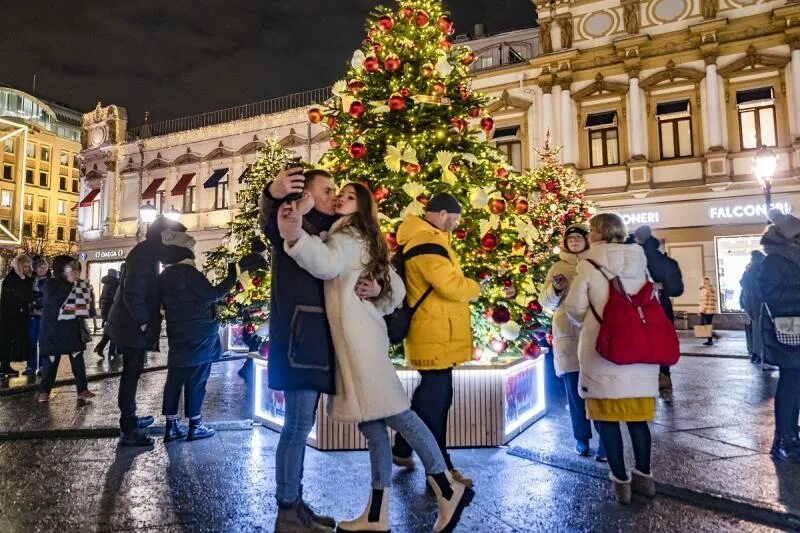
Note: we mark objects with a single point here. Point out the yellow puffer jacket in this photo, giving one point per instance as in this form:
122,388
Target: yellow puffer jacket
441,332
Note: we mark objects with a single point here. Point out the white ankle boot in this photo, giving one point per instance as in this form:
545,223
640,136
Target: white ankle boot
450,508
375,517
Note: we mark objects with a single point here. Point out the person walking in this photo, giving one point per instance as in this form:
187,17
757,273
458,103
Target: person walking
189,301
66,304
16,297
780,323
41,273
440,336
110,284
668,279
751,302
565,335
134,323
368,390
708,307
613,393
301,358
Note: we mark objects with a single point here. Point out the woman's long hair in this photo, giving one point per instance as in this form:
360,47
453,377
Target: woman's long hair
365,222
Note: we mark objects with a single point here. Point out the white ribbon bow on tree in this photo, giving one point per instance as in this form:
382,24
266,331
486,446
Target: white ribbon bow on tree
396,154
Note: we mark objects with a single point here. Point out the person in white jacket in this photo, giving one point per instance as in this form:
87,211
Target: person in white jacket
565,334
368,390
613,393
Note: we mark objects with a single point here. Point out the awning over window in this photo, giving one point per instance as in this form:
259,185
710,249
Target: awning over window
667,110
753,97
180,188
150,192
88,199
501,133
243,174
601,120
215,178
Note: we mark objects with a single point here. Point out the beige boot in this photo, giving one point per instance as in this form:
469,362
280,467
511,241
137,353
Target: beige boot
374,518
643,484
452,497
621,489
461,478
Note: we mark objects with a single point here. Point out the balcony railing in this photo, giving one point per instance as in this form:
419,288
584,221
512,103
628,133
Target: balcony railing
212,118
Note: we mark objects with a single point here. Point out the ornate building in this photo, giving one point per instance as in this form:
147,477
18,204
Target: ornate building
661,105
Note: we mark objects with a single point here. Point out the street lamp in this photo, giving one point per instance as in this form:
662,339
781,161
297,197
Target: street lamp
147,213
172,214
765,163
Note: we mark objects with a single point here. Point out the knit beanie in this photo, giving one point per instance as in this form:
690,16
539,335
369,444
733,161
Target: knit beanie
787,225
576,229
443,202
177,238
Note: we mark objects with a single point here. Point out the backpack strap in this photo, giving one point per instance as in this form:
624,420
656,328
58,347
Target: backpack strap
428,248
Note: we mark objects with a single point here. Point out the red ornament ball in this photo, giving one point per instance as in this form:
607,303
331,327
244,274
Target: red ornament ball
423,199
256,281
422,19
405,92
250,329
534,306
334,143
331,122
386,22
446,25
527,317
358,150
531,350
355,86
477,351
380,194
392,63
314,115
475,111
519,246
497,206
397,102
406,12
549,338
551,186
377,47
468,59
521,206
460,234
489,241
371,64
357,109
455,167
523,269
498,345
229,299
412,168
501,172
487,124
239,286
439,88
445,44
508,282
484,273
508,195
426,70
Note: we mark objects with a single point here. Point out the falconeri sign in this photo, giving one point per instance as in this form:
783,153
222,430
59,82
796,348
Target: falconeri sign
745,210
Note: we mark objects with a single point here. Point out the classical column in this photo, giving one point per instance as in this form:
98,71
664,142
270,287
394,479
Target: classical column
795,44
635,112
547,109
712,106
568,151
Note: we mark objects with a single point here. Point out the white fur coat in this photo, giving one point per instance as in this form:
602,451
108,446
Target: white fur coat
367,386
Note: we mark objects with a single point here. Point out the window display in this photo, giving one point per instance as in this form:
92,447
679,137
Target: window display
733,255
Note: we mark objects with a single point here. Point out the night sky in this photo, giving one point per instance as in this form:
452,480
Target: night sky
181,57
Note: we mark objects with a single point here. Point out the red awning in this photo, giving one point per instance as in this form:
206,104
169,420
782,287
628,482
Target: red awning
87,200
184,182
150,192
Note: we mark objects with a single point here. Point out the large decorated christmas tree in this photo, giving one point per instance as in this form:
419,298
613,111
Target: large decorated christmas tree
406,122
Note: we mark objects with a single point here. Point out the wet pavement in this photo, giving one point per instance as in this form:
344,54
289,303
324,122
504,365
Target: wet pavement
710,460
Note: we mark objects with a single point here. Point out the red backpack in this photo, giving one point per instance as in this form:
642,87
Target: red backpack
634,328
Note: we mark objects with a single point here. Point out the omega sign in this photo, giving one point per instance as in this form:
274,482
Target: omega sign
745,210
109,254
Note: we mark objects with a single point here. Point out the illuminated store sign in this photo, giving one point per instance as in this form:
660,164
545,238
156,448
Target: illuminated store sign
745,210
109,254
644,217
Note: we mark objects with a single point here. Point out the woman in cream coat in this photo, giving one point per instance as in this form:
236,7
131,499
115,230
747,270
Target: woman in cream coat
368,390
565,333
614,393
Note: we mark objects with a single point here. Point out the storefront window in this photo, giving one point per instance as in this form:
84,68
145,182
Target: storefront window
733,256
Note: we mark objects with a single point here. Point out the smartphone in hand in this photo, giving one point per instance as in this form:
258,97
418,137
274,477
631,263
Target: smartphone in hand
291,163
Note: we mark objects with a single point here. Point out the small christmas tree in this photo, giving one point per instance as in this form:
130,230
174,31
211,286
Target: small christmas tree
406,123
248,302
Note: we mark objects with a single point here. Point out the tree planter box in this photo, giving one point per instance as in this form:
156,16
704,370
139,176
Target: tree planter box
491,405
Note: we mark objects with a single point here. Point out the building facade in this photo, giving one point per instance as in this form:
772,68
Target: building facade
40,180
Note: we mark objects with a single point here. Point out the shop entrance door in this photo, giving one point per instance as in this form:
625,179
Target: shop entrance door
733,256
98,269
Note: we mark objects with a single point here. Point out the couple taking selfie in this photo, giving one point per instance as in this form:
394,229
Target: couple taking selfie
332,285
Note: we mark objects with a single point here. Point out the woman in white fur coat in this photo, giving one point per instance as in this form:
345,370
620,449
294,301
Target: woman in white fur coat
613,393
368,390
565,334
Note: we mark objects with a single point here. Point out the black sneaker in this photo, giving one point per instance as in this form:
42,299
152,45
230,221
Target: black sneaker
174,431
198,431
137,438
145,421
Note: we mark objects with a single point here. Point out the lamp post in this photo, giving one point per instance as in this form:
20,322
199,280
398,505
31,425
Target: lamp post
172,214
765,162
147,213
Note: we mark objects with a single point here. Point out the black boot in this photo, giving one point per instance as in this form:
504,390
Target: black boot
145,421
174,430
782,450
198,431
135,438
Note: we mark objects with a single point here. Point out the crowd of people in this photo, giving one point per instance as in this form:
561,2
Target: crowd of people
334,282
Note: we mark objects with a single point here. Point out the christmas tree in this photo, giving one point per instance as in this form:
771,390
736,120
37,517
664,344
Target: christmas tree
248,302
406,123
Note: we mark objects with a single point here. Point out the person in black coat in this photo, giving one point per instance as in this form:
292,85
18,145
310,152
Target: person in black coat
63,328
16,296
41,273
134,323
189,301
110,285
750,301
780,289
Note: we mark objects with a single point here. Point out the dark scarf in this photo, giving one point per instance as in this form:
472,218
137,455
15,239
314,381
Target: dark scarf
318,221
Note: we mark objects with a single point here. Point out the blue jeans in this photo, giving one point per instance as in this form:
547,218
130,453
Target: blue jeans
33,343
301,410
581,427
414,431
